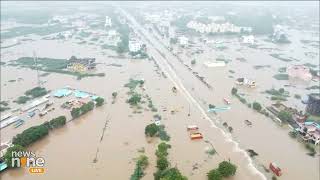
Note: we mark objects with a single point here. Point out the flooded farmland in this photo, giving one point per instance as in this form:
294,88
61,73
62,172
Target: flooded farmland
104,142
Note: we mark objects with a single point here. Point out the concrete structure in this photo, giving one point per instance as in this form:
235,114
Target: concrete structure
248,39
216,28
313,105
81,64
246,82
134,46
300,72
183,40
108,22
310,132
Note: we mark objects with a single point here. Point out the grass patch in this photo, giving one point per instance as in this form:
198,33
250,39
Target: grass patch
282,70
51,65
313,87
281,76
27,30
280,57
257,67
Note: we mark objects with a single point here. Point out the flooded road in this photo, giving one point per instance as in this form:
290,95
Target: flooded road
70,151
265,131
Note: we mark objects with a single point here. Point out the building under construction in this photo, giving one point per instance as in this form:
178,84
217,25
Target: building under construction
81,64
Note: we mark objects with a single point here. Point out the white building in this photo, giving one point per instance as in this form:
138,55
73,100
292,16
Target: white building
112,33
108,22
248,39
134,46
214,27
183,40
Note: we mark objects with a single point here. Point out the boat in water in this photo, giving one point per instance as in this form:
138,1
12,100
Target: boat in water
275,169
196,135
192,127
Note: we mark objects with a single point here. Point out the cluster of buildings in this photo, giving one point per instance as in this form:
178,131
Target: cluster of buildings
302,123
135,45
279,36
248,39
246,82
300,72
217,28
81,64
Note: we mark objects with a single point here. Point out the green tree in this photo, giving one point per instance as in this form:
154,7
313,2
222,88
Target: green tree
227,169
135,99
30,135
143,161
58,122
8,156
114,94
193,62
256,106
281,90
162,163
214,174
234,91
137,174
285,115
151,130
99,101
172,174
75,112
162,150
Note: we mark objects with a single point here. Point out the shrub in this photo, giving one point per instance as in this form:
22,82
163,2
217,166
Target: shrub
134,99
58,122
141,164
162,150
172,174
162,163
36,92
293,134
285,116
297,96
234,91
193,62
256,106
163,135
22,99
99,101
214,174
227,169
114,94
151,130
75,112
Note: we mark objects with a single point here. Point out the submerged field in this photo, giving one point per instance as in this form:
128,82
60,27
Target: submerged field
132,105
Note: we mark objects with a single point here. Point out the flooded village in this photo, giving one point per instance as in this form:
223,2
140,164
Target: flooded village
137,90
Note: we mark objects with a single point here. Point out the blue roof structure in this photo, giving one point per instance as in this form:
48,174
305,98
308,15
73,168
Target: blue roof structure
62,92
80,94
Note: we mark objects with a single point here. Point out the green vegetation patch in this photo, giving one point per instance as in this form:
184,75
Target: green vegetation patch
281,76
27,30
280,57
51,65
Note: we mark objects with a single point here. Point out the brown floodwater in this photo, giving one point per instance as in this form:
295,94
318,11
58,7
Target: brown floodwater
69,151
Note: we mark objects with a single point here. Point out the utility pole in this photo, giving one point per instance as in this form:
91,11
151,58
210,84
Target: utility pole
35,59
